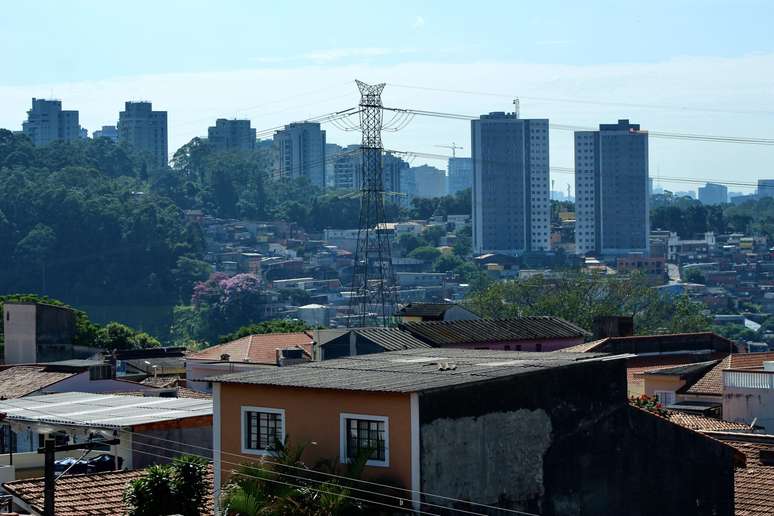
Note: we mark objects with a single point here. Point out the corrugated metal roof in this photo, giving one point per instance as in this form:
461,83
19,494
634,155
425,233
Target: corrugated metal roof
427,309
102,410
441,333
408,371
391,339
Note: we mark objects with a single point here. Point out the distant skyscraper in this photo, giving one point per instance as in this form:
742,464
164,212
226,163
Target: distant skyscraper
145,130
510,184
346,168
300,152
460,174
611,190
428,181
765,188
231,135
47,122
108,131
713,193
392,169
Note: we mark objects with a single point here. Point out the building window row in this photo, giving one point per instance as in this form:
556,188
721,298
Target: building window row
263,428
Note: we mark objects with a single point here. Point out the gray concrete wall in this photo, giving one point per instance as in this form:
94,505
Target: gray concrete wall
154,446
19,329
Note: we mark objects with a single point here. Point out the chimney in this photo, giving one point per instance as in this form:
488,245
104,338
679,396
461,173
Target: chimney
605,326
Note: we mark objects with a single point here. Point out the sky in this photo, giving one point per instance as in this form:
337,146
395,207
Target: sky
704,67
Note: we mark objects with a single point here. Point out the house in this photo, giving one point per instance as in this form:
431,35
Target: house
548,433
37,332
270,349
143,424
651,352
362,341
78,495
753,484
518,333
423,312
742,375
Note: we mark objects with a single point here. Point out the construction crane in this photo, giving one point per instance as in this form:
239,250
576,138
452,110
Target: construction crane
453,148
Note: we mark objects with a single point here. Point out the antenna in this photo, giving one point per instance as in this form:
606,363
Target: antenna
516,107
453,148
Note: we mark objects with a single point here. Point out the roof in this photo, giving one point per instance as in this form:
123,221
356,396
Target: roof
666,343
390,339
704,423
409,370
441,333
18,381
754,484
681,370
638,366
712,381
257,349
427,309
102,410
98,494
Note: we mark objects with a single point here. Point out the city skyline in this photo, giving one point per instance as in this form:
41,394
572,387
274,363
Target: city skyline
695,80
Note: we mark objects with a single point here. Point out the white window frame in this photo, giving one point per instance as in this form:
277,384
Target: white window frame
243,433
343,434
671,394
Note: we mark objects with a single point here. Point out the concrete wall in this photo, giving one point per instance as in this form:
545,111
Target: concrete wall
19,328
744,405
566,442
161,442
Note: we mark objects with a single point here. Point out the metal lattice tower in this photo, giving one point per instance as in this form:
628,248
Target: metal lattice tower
373,296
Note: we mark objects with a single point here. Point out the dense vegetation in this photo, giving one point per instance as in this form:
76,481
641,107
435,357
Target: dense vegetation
688,217
177,488
579,297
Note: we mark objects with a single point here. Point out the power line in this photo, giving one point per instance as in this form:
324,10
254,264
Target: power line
571,171
566,127
264,460
589,101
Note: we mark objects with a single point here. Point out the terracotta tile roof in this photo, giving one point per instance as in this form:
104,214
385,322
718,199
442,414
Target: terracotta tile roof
584,348
706,424
99,494
256,349
753,485
18,381
712,382
185,392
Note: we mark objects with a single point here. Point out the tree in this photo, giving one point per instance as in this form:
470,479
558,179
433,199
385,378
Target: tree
177,488
407,242
578,298
275,326
447,263
120,336
694,275
433,234
425,253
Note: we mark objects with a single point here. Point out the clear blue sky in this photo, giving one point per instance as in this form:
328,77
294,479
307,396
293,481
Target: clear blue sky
192,57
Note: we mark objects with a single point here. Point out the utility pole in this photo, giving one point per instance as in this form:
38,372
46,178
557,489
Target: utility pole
49,480
454,147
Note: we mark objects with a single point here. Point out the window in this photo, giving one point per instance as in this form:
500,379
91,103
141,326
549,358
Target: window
261,429
665,397
362,432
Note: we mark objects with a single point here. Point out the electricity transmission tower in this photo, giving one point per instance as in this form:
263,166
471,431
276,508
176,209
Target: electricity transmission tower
373,296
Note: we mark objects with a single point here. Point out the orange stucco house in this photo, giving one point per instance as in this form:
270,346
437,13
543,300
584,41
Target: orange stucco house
537,432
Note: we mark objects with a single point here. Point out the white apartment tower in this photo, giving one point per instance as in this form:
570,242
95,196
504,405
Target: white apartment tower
612,190
511,207
47,122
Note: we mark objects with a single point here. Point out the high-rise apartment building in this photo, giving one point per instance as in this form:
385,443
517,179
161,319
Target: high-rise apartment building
392,168
300,152
47,122
511,207
460,172
612,190
231,135
713,193
346,168
108,131
765,188
428,182
145,130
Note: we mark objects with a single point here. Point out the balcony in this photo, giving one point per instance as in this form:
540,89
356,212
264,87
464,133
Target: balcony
751,379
